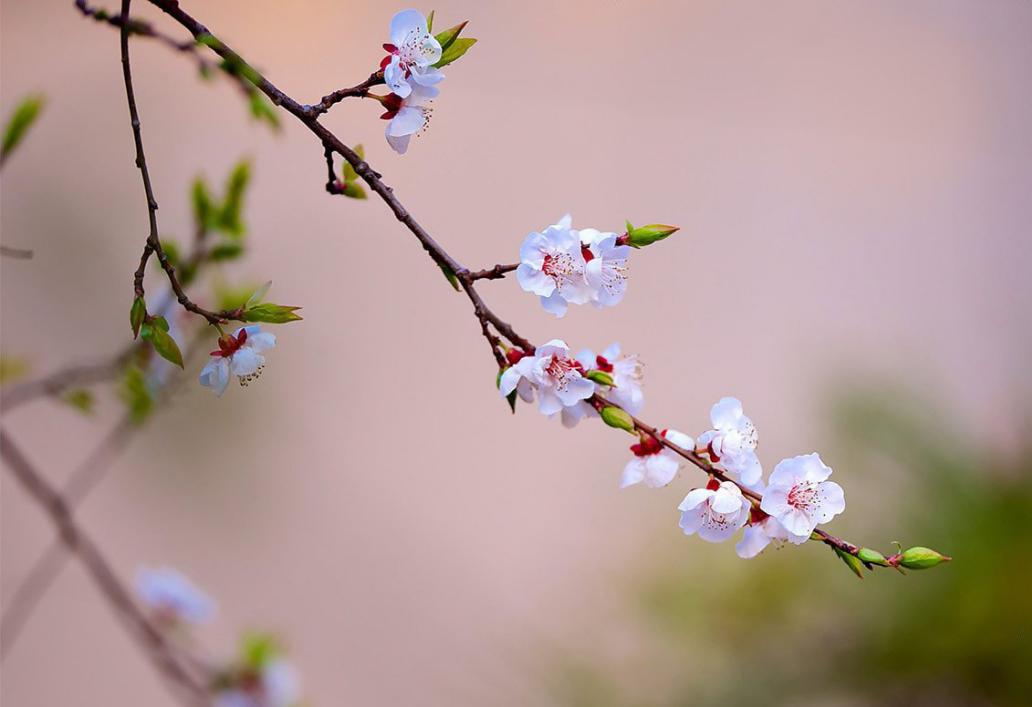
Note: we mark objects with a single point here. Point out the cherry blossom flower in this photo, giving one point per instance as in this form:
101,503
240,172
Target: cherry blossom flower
715,513
172,597
552,267
239,355
759,533
800,496
408,116
627,374
552,375
731,444
412,52
275,685
654,464
606,266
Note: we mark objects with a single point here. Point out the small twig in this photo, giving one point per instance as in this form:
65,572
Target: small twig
495,273
332,99
18,253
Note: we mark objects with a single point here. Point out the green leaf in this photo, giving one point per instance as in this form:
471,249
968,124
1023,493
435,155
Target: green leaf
456,50
18,125
349,173
137,313
448,36
430,21
135,395
230,297
203,204
354,191
12,368
229,218
271,313
258,649
450,276
80,399
226,251
872,557
156,332
852,562
263,110
258,295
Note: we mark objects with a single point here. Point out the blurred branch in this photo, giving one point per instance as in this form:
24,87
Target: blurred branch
189,683
18,253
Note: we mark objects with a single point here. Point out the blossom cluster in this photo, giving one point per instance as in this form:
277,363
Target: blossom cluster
260,677
788,507
409,71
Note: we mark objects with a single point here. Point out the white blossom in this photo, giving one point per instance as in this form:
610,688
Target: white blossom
654,464
552,375
552,267
731,444
715,513
407,116
412,52
800,496
627,373
277,685
761,531
606,266
172,597
240,355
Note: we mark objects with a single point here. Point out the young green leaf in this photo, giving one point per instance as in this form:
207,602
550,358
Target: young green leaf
448,36
262,109
354,190
226,251
156,332
171,250
271,313
459,47
348,172
12,368
229,218
450,277
135,394
137,313
852,562
258,295
18,125
203,204
80,399
430,21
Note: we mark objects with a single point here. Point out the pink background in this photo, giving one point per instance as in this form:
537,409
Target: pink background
853,184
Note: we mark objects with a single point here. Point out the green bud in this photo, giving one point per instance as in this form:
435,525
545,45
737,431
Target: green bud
647,235
600,377
921,558
852,562
872,557
618,418
271,313
137,313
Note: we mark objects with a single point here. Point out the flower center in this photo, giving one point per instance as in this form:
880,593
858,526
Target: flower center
229,345
803,496
562,369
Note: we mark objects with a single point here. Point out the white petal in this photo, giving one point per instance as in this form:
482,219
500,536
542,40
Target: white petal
682,440
548,402
797,523
660,469
633,472
727,498
509,380
405,22
726,413
394,77
534,281
832,501
753,542
398,144
775,501
215,374
245,362
692,518
695,498
555,304
407,122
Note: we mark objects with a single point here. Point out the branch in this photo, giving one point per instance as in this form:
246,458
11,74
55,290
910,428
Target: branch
190,685
17,253
332,99
495,273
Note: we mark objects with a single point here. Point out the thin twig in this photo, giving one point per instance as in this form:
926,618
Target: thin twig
17,253
332,99
495,273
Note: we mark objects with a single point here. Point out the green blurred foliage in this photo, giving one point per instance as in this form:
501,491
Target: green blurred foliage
24,115
793,628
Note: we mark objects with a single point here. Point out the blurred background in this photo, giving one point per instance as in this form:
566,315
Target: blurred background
853,182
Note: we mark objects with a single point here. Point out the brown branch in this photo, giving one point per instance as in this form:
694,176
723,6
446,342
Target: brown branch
164,655
309,117
17,253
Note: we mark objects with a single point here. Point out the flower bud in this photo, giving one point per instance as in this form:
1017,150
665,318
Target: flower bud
647,235
872,557
600,377
921,558
617,417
